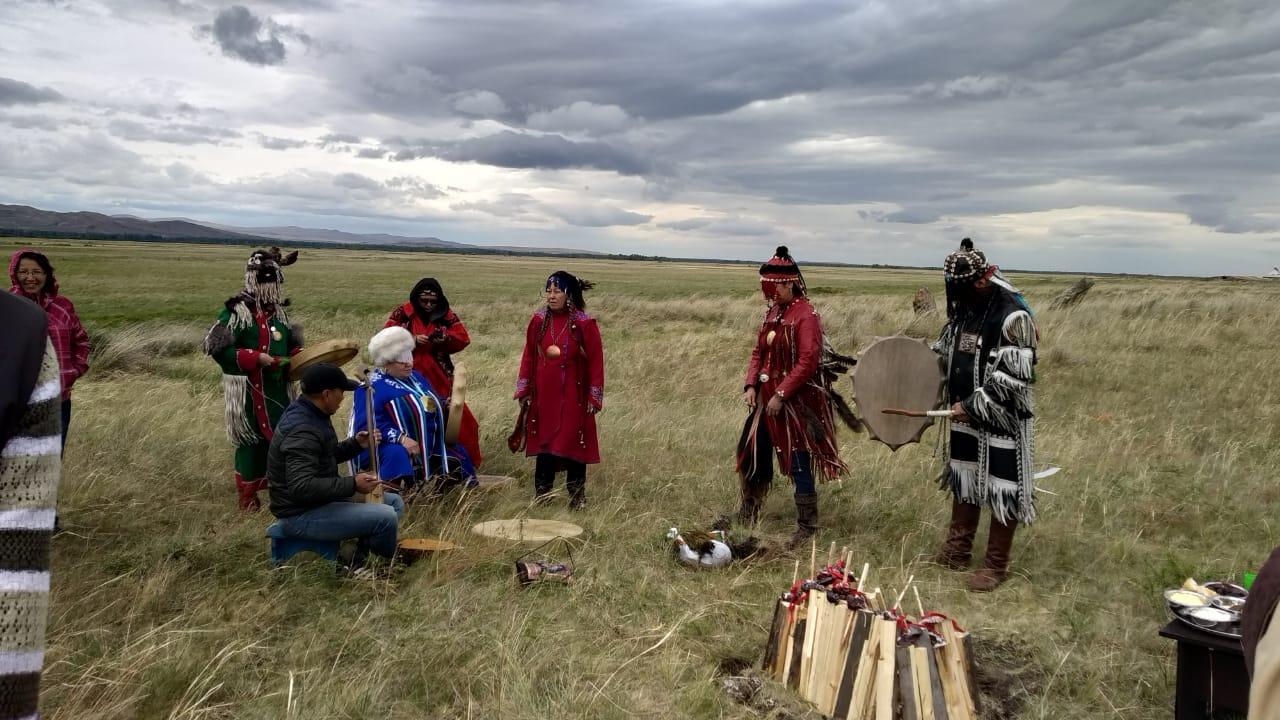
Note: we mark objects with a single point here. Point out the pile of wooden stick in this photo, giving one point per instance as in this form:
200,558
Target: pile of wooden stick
854,654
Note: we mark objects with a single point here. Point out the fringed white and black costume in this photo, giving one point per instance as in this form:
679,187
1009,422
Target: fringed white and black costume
990,348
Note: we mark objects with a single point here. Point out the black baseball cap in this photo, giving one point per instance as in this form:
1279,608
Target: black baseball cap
325,376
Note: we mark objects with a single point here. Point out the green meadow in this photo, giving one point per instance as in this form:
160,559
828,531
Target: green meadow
1158,398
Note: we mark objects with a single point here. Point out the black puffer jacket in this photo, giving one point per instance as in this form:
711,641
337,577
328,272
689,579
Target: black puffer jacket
302,464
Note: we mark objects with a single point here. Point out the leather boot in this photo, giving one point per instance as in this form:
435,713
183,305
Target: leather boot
806,520
995,567
248,491
753,496
958,548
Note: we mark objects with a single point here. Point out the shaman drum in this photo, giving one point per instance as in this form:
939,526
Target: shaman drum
337,352
898,372
527,530
457,401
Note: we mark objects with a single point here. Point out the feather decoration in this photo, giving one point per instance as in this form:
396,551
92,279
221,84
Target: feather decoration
845,412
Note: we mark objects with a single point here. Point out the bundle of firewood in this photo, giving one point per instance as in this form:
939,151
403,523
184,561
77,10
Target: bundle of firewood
854,654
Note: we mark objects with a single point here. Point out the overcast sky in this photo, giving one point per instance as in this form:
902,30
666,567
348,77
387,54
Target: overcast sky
1103,135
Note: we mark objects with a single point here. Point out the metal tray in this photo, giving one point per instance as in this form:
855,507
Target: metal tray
1212,631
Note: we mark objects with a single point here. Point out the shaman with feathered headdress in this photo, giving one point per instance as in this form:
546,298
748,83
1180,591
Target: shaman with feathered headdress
252,342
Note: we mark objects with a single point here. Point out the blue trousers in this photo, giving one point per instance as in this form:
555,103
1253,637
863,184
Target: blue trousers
374,525
801,465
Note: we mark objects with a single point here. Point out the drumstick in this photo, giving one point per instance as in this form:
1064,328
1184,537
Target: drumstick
917,413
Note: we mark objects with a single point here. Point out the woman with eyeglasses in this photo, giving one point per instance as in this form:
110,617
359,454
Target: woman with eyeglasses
438,334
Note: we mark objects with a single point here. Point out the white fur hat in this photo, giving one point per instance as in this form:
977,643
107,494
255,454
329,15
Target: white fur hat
393,344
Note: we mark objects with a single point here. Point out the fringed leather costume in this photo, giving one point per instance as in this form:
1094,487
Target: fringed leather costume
989,344
252,323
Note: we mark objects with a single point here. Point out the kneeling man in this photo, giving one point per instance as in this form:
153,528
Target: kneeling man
308,495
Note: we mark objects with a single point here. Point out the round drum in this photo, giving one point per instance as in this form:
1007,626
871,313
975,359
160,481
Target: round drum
897,372
337,352
529,530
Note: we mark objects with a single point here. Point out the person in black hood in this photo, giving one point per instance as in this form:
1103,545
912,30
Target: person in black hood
439,334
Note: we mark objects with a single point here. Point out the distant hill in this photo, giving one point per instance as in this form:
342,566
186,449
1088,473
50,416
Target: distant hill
295,233
25,220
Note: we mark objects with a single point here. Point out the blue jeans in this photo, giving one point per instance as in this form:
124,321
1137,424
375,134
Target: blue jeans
802,473
372,524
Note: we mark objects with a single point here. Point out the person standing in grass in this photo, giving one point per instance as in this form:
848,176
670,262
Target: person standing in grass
252,341
989,344
438,335
32,277
30,464
791,414
561,388
307,495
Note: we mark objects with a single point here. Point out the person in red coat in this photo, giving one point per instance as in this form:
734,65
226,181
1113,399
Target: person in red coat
32,277
439,335
561,388
791,414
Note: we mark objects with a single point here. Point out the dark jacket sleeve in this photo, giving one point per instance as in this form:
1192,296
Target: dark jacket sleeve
347,449
310,484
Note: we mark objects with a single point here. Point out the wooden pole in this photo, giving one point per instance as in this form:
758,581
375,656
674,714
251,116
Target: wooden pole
375,495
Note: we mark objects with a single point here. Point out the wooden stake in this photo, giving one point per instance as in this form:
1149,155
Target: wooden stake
898,602
812,627
813,560
919,604
862,579
831,554
885,668
374,495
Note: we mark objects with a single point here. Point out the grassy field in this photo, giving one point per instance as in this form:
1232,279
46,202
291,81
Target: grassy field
1159,398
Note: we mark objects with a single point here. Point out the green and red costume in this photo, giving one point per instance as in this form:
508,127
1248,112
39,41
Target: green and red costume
254,323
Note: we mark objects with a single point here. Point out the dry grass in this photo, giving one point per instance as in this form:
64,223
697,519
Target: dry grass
1158,397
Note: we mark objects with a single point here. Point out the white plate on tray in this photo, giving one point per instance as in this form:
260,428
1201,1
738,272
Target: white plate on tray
1226,630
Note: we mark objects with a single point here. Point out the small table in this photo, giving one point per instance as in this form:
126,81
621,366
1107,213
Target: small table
1211,674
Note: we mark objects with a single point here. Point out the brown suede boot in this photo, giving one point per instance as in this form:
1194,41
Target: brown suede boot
958,548
806,520
995,567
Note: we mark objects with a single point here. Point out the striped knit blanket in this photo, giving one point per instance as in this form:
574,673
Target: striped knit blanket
30,464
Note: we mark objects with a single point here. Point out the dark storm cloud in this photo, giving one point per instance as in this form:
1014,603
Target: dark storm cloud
243,35
16,92
843,123
528,151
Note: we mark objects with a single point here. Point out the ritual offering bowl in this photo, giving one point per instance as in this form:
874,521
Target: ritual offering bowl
1229,603
1213,607
1187,599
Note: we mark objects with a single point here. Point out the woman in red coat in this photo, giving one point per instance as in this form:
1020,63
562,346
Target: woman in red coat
439,334
561,386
